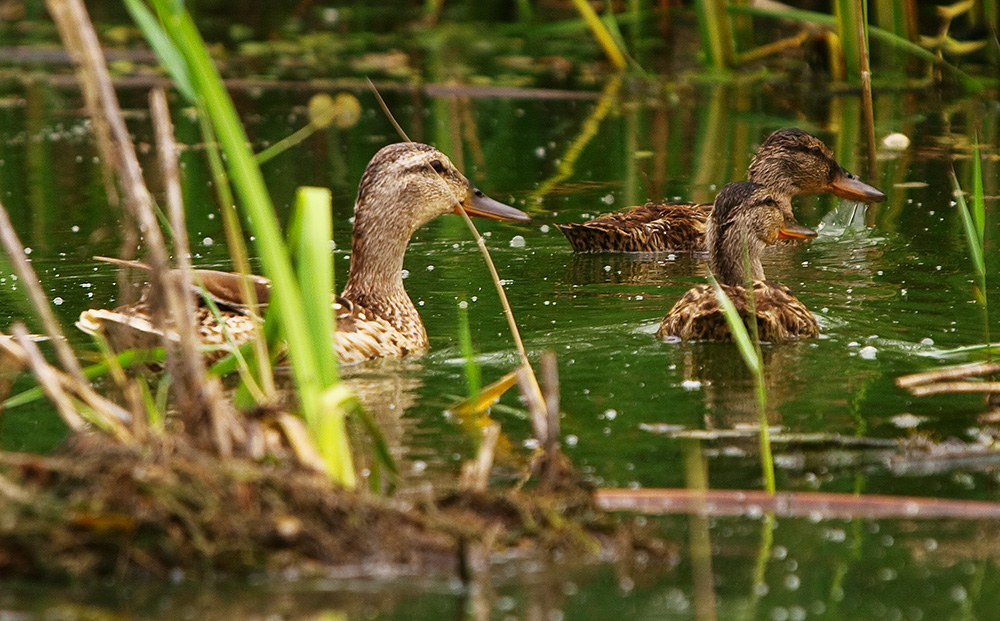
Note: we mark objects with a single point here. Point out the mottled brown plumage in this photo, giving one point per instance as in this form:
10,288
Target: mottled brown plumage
404,186
745,215
790,162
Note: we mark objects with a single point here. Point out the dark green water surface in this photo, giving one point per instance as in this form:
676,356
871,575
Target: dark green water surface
891,287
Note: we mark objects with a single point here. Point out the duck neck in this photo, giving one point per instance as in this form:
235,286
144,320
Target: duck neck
778,175
375,278
729,250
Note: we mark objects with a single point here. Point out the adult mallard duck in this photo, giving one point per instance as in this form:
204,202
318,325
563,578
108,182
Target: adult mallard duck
790,162
746,216
404,186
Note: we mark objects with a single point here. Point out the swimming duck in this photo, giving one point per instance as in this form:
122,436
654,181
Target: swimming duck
404,186
751,216
790,162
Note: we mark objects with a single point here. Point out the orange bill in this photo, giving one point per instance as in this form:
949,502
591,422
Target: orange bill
847,185
478,204
790,229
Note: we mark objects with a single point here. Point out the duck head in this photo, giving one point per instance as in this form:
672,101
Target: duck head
410,184
747,216
794,162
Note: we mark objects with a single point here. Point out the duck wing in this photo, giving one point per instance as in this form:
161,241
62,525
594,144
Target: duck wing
653,227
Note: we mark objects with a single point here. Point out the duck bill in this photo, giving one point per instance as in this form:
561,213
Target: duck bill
790,229
478,204
846,185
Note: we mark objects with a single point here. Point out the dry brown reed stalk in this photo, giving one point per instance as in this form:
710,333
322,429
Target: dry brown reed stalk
77,33
29,280
826,505
476,473
193,388
550,384
62,387
950,373
47,379
866,89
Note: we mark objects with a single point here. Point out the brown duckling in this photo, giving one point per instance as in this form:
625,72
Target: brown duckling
751,216
790,162
404,186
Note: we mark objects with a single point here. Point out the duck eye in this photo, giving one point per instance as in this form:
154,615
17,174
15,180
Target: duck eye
437,166
818,152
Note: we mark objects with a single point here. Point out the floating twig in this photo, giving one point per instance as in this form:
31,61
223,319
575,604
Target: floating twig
792,504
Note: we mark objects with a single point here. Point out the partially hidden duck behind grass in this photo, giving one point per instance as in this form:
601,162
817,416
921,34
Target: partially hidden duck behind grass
790,162
404,186
745,218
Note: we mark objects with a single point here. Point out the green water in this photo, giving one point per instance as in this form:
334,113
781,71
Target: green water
891,287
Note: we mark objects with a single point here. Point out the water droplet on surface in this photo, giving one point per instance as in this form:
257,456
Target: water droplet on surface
517,241
868,352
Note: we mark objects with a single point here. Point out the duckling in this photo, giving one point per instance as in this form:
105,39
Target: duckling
404,186
790,162
751,216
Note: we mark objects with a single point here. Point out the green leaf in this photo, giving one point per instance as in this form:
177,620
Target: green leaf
736,327
971,230
978,199
170,56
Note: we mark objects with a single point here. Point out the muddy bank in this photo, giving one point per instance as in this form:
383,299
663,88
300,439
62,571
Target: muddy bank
98,509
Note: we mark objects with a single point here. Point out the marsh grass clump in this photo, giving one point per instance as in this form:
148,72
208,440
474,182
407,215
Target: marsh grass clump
172,470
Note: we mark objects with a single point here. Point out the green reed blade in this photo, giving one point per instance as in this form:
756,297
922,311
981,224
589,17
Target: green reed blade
971,228
601,34
978,198
716,34
737,328
312,239
169,55
473,379
848,18
319,401
750,352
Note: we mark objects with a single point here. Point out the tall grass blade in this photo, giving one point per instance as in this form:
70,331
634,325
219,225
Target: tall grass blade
716,33
848,17
320,401
169,55
978,197
473,380
601,33
312,238
975,233
972,230
752,358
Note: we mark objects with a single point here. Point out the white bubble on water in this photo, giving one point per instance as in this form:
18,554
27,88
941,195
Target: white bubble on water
868,352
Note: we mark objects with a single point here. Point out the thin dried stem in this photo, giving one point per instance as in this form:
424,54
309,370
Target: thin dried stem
15,250
955,387
950,373
550,381
48,379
